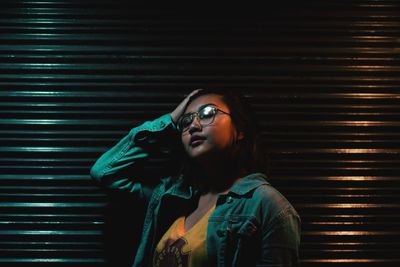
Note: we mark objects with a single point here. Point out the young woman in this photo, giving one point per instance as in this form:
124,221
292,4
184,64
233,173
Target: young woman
219,210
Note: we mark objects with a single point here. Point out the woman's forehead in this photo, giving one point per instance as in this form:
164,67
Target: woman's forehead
212,99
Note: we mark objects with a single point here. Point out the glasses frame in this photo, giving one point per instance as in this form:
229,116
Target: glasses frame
196,114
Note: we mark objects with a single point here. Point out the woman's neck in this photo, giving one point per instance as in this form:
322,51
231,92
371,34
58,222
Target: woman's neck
216,180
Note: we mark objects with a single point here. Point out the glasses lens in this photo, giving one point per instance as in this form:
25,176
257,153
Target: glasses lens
185,122
206,115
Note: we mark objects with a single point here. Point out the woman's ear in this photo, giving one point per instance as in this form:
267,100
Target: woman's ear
240,135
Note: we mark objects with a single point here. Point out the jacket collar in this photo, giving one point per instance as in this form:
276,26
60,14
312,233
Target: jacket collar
181,189
249,183
242,187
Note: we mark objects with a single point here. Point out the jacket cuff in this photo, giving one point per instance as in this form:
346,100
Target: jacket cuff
144,131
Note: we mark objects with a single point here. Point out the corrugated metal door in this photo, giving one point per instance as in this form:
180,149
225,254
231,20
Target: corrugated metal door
76,76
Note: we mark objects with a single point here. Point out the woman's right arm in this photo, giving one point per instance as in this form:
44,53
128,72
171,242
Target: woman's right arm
121,167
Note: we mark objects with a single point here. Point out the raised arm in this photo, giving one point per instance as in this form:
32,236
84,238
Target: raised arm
122,165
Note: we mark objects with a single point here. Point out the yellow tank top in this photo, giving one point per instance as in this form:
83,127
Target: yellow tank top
183,249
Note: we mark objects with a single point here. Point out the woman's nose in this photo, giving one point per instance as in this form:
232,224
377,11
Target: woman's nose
195,125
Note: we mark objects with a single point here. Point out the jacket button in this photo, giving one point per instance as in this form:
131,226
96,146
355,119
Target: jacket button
220,233
229,200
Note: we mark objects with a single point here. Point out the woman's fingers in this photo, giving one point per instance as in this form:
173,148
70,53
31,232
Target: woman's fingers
175,115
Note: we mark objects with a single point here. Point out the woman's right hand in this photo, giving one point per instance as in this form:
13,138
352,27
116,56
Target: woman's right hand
178,112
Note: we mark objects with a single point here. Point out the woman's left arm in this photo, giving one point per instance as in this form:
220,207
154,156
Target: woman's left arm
280,240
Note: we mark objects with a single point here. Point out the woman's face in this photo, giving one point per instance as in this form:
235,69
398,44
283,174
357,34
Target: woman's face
209,142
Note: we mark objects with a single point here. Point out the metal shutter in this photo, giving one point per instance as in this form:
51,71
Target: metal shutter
76,76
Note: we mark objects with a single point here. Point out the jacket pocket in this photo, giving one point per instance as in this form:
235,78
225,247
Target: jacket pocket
241,239
241,225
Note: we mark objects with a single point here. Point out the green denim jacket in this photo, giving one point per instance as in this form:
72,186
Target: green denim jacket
252,225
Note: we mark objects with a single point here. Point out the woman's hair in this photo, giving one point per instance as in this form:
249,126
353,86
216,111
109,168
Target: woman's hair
246,154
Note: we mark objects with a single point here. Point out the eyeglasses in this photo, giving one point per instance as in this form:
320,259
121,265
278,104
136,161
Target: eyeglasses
206,116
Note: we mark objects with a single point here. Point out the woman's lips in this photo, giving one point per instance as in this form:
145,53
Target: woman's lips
196,140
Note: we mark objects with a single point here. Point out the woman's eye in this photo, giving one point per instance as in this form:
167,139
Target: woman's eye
185,121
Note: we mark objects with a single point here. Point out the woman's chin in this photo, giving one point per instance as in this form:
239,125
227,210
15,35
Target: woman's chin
204,156
198,152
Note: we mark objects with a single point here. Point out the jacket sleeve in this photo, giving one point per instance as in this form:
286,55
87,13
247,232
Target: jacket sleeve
281,240
122,166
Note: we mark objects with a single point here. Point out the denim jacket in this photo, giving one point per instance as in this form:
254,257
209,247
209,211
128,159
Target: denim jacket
252,225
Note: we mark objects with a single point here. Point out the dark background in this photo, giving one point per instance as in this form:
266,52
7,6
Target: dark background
75,77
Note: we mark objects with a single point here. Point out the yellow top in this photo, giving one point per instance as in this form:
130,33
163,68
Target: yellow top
177,248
